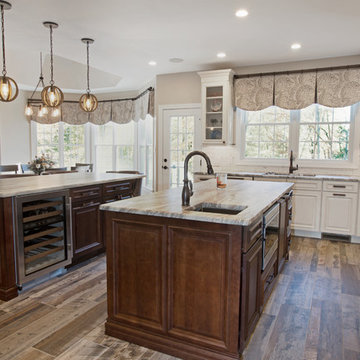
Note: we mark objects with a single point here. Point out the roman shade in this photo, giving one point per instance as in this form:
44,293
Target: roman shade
118,111
297,90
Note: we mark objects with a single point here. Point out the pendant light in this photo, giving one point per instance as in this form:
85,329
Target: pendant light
43,109
88,102
8,87
51,95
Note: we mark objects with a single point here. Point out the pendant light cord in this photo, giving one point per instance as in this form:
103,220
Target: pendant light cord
88,67
3,39
51,57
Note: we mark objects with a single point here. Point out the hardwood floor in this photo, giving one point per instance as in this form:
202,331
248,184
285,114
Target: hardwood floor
313,313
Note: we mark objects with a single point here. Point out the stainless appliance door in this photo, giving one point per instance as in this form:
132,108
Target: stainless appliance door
43,234
271,222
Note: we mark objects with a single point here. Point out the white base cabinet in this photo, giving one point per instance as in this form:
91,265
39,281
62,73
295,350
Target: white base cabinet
306,210
339,213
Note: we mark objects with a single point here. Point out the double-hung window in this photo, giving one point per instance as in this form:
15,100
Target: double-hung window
267,133
63,143
318,135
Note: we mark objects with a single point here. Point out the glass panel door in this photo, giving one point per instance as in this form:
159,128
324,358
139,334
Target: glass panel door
181,136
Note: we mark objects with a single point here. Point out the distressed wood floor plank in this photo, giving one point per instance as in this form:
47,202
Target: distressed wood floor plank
33,354
83,350
62,339
330,345
15,322
351,322
287,340
350,281
38,330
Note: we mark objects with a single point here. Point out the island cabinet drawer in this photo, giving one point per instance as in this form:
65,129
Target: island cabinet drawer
85,193
342,186
123,187
251,234
307,184
118,191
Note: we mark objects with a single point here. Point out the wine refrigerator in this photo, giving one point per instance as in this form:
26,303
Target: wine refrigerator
43,234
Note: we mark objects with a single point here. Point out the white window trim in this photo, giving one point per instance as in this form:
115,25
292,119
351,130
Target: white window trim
351,163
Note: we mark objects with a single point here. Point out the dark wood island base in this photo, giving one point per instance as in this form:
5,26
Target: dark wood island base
187,288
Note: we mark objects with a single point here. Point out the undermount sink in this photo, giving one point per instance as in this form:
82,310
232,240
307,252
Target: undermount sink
217,208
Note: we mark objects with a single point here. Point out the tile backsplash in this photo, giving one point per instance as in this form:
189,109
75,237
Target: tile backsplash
227,158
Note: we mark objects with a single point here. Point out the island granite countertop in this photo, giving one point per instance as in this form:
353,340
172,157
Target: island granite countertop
38,184
256,196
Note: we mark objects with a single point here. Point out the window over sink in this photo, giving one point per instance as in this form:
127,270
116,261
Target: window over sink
318,135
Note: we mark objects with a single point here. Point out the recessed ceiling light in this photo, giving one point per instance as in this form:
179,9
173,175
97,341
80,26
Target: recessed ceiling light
296,46
152,63
242,13
221,55
176,60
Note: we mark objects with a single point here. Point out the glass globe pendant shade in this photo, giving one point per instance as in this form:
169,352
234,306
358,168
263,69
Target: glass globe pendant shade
43,111
28,110
8,89
88,102
52,96
56,112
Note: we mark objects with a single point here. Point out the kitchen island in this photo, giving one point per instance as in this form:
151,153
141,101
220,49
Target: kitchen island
188,281
47,222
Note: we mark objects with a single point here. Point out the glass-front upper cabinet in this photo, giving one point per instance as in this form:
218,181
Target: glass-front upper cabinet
217,108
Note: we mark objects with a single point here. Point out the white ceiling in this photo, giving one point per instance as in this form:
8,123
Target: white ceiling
128,34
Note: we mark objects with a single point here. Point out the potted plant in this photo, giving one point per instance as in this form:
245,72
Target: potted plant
40,164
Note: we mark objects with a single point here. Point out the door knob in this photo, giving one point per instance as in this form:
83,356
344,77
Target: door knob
165,167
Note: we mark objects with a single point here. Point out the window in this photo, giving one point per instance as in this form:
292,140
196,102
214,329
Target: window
109,147
316,133
146,149
267,133
48,141
74,144
65,144
324,133
114,146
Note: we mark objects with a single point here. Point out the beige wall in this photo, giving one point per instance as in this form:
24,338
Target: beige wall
14,131
181,88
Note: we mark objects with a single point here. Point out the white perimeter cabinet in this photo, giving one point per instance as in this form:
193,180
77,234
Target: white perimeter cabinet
217,111
339,207
307,205
306,210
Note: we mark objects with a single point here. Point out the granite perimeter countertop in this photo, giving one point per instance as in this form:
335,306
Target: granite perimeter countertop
256,196
38,184
286,177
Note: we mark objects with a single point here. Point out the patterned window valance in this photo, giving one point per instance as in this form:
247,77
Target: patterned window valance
119,111
297,90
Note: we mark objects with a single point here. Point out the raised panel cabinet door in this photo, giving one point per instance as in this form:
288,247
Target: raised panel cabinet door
339,213
306,210
203,301
250,292
86,229
136,271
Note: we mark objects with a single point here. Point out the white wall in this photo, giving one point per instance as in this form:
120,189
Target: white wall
14,131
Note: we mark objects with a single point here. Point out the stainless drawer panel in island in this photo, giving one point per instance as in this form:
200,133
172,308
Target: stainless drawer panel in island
43,236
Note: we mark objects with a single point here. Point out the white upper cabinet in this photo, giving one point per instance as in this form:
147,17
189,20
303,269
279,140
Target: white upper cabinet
217,112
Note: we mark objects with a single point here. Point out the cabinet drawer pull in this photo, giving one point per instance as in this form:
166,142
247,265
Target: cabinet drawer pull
339,195
339,186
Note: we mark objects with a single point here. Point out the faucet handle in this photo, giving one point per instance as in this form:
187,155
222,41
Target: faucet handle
191,188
